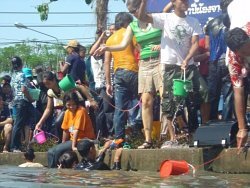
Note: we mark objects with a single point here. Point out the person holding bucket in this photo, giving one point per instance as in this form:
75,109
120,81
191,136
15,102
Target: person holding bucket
149,79
73,65
56,94
76,126
179,43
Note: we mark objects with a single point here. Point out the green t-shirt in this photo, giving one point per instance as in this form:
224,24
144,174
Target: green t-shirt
146,38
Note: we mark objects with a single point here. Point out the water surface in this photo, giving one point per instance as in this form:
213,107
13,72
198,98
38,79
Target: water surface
11,176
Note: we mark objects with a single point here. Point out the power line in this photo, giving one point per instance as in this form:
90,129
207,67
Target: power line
55,25
55,12
84,38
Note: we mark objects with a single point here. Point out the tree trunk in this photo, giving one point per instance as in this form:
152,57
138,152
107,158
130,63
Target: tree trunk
101,13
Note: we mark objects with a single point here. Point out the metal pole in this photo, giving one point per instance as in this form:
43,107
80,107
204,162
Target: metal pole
21,26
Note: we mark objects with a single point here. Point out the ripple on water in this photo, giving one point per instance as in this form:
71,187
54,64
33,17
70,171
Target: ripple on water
26,177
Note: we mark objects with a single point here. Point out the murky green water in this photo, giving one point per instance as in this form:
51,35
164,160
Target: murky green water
32,178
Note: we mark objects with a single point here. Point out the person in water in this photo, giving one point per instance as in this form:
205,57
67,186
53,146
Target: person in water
29,157
90,161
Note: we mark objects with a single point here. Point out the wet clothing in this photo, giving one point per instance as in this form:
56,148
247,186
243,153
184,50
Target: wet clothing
216,31
79,121
149,71
125,81
147,39
98,164
124,59
88,165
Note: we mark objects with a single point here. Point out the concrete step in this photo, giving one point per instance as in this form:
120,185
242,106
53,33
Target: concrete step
214,159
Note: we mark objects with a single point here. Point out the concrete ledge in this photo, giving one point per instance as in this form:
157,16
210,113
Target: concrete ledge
214,159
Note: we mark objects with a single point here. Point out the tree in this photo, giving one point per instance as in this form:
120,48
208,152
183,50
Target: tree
31,54
101,11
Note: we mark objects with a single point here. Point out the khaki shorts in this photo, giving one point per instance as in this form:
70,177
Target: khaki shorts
150,78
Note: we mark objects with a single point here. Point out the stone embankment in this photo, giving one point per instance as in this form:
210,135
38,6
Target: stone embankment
214,159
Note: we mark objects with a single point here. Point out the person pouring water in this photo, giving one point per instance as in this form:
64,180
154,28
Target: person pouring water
56,95
76,126
179,43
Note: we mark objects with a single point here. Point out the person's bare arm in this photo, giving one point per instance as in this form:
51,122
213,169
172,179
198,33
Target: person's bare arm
7,121
107,61
192,51
125,42
85,91
74,141
97,44
27,94
168,7
142,15
65,136
46,113
64,67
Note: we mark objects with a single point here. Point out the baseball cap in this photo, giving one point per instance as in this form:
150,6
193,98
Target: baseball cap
72,43
83,147
236,38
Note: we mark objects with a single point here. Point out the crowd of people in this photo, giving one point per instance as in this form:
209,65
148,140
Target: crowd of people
131,63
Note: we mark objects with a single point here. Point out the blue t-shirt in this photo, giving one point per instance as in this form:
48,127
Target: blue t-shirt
216,32
76,67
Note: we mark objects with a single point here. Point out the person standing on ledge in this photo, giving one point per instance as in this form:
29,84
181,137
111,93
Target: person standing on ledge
179,43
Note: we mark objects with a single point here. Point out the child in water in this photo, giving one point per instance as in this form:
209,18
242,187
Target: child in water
68,160
29,157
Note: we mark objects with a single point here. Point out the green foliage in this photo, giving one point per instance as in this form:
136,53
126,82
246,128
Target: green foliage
43,10
44,147
31,54
88,2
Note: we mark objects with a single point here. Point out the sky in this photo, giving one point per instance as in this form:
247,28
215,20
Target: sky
84,24
83,33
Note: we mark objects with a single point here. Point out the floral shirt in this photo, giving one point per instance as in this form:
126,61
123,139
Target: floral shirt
17,82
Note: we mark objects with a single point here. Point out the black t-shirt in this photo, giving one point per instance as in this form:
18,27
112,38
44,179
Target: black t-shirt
76,67
97,164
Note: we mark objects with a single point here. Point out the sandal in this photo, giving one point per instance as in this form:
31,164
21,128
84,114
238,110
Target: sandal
145,145
242,137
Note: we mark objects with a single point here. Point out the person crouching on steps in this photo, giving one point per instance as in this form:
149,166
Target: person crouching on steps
76,126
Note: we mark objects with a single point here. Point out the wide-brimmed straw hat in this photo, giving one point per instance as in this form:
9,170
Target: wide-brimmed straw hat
72,43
